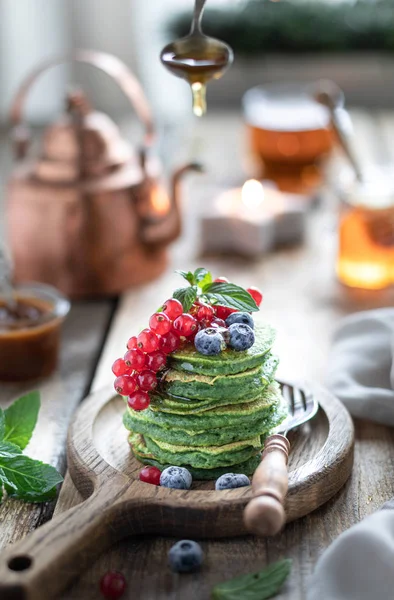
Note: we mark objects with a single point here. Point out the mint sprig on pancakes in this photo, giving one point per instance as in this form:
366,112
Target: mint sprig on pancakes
218,292
199,315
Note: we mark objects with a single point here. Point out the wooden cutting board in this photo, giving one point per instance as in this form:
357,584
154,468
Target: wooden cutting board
119,505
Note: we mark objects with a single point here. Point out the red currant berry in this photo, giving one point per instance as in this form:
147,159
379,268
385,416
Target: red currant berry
218,323
138,400
221,280
125,385
222,312
147,381
135,360
194,308
148,341
160,323
185,325
113,585
156,361
150,475
191,337
172,308
205,312
256,295
132,343
170,343
205,323
120,368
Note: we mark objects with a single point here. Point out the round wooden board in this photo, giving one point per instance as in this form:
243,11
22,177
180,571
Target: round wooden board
321,461
119,505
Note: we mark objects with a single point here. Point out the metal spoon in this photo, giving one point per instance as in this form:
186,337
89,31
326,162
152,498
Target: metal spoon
198,59
329,95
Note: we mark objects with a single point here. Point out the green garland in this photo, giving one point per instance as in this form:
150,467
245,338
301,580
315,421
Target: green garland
296,26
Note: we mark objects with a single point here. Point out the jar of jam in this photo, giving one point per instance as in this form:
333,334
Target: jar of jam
366,233
30,325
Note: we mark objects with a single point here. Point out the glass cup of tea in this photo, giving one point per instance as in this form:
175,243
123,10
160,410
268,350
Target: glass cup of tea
289,134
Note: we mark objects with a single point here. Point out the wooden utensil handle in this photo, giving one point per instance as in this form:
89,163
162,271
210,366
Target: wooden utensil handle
265,515
45,562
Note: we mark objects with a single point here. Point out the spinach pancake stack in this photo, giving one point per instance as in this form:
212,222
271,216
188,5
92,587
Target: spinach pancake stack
210,414
199,383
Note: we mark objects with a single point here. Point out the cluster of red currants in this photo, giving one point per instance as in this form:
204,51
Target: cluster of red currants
136,373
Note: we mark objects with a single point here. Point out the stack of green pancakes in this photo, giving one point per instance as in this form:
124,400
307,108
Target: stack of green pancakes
211,414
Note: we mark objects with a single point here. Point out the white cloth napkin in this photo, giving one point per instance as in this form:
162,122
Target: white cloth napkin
359,565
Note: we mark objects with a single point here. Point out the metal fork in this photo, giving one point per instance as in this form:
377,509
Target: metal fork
265,515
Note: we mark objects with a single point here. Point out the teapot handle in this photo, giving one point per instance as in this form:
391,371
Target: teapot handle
111,65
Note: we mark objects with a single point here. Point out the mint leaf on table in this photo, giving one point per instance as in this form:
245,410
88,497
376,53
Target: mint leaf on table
25,478
2,424
186,296
256,586
230,295
20,420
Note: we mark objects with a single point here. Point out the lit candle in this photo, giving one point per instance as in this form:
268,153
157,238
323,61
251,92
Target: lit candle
252,220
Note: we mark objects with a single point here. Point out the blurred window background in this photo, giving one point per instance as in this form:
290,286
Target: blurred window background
350,41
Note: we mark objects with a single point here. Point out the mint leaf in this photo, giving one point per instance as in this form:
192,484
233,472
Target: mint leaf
9,450
230,295
186,296
21,418
4,481
188,275
2,424
256,586
202,277
25,478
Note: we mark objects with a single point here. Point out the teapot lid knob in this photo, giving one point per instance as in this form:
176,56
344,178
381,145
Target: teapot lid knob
77,101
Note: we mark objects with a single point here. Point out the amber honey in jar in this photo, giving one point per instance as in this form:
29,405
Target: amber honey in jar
30,331
366,235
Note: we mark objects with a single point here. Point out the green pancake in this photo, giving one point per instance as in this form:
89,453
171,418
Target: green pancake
247,468
210,437
218,426
228,362
240,386
201,458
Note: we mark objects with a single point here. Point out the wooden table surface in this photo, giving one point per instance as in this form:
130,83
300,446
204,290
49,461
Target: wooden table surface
302,300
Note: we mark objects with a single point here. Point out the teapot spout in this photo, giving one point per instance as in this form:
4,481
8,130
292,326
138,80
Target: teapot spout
170,228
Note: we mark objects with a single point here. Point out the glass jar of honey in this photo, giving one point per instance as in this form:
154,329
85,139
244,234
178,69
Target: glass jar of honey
30,324
366,234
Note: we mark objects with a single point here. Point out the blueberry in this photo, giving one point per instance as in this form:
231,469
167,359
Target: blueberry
240,317
209,342
241,337
185,556
230,481
176,477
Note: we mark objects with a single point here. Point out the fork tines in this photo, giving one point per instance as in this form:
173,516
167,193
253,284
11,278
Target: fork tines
295,397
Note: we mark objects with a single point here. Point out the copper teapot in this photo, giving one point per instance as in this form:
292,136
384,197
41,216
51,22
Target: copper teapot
89,214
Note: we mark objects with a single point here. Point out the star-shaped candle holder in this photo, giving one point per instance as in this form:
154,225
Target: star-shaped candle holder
253,220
